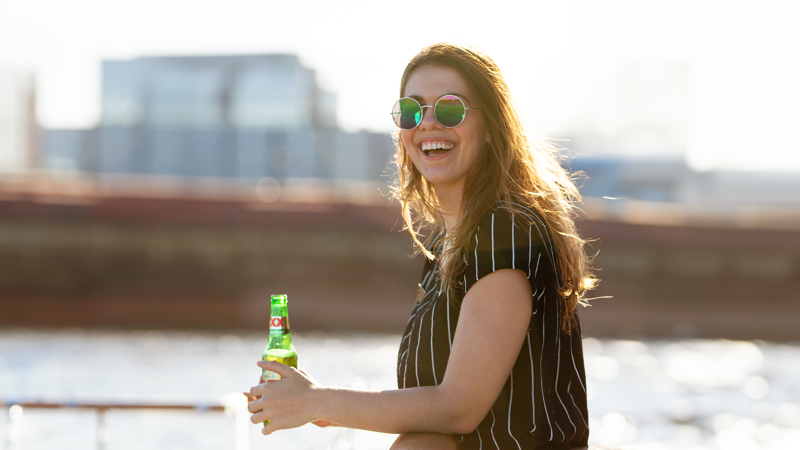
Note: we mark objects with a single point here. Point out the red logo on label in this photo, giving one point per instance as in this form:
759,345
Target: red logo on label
277,322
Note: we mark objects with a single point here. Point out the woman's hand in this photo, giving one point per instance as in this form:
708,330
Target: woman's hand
286,403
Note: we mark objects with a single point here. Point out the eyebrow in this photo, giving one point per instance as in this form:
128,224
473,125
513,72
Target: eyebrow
421,100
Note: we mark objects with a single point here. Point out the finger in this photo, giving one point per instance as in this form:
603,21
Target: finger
275,366
270,428
259,416
257,405
259,390
254,407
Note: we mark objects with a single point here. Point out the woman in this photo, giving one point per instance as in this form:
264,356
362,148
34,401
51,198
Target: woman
491,356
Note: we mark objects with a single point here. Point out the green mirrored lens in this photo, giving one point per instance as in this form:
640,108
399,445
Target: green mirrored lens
450,111
406,113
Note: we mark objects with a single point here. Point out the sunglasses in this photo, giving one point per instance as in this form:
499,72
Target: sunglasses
449,110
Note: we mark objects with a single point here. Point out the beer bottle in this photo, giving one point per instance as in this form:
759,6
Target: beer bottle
279,348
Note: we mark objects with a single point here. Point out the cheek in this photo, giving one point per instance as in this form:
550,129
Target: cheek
406,137
479,147
407,146
476,155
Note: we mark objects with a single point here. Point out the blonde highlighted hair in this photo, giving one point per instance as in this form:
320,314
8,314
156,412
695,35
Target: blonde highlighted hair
513,169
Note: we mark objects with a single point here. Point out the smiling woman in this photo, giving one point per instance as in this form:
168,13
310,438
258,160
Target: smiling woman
491,356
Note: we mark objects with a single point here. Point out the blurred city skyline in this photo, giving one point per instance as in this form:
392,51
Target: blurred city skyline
642,79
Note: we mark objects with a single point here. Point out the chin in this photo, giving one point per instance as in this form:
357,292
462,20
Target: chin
441,181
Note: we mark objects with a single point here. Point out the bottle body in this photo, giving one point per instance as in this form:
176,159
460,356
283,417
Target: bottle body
287,358
280,347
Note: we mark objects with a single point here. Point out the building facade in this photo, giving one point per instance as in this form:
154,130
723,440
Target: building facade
18,129
238,116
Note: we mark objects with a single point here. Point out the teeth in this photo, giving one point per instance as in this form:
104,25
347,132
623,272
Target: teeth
433,145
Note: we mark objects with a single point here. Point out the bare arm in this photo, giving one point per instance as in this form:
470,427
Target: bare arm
494,319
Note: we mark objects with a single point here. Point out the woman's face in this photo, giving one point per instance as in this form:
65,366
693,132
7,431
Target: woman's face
450,152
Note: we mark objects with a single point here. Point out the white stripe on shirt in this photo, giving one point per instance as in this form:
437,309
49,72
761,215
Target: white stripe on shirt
513,249
449,336
491,430
511,399
433,364
541,363
533,377
416,353
493,269
476,256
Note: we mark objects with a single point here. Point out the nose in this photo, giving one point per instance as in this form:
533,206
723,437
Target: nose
429,121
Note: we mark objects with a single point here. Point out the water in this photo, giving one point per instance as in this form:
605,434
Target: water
651,395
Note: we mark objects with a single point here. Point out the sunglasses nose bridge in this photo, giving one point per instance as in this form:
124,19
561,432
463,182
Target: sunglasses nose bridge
429,117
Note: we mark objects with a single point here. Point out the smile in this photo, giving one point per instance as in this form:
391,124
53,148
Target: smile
436,148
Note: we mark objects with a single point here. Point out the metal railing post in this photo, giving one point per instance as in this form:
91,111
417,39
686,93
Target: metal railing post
14,428
102,434
241,421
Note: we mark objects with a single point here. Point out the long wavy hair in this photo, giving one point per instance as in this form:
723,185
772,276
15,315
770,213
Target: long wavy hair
515,167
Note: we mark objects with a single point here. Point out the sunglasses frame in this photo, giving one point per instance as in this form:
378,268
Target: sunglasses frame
422,109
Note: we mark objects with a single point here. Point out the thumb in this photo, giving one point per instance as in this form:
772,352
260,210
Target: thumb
275,366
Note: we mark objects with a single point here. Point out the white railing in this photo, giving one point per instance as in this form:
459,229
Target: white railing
229,405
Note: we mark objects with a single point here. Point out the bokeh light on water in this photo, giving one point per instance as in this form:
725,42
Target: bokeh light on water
652,395
694,394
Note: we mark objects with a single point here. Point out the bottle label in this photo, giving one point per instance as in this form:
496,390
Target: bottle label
279,324
268,375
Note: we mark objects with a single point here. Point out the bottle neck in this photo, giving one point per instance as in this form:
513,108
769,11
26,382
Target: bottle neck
279,334
279,316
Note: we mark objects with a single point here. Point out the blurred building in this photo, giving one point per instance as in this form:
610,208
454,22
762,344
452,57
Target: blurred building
669,179
18,127
659,180
238,116
253,92
632,139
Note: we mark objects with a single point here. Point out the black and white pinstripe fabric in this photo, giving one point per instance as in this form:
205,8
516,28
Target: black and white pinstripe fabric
543,403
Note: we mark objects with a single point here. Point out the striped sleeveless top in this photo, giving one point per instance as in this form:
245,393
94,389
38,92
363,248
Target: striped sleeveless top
543,402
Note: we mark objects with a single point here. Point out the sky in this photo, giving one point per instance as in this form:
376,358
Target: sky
563,59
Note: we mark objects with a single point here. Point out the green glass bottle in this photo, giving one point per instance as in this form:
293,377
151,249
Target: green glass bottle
279,348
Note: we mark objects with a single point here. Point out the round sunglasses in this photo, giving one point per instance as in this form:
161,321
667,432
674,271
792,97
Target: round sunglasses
449,110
